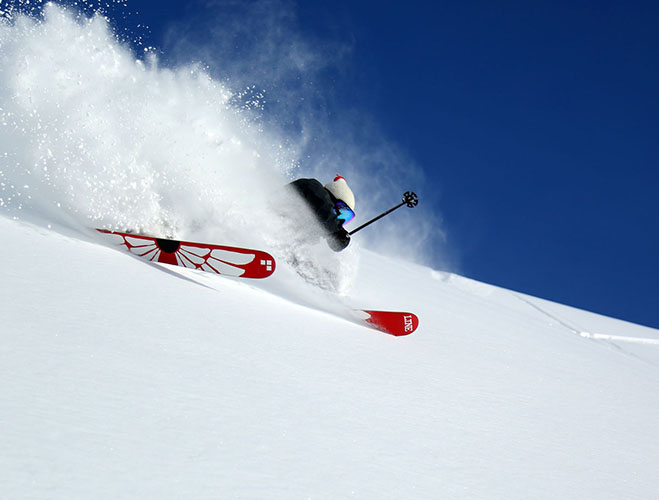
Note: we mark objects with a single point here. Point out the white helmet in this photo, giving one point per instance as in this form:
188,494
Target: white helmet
340,190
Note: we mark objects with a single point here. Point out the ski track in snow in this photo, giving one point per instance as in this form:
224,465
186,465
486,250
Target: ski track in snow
613,340
633,340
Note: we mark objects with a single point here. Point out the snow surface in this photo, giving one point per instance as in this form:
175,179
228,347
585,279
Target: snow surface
125,379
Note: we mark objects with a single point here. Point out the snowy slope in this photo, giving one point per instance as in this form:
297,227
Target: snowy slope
124,379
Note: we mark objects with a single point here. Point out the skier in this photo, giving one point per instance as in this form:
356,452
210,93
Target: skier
332,204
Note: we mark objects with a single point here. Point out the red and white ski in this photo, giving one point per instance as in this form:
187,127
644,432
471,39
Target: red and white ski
391,322
228,261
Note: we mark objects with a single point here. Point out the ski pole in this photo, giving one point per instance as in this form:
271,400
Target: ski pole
409,198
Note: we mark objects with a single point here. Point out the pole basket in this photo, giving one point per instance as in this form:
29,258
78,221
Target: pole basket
410,199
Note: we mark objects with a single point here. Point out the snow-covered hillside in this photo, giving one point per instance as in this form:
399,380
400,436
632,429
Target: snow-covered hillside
121,378
125,379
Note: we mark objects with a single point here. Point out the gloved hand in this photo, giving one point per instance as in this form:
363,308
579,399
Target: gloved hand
338,240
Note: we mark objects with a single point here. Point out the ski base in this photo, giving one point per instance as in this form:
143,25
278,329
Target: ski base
224,260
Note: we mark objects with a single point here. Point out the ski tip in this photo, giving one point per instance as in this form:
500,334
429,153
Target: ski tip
394,323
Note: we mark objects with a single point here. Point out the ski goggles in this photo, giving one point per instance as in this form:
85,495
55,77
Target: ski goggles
343,212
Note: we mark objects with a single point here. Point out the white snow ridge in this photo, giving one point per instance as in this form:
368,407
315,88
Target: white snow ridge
120,378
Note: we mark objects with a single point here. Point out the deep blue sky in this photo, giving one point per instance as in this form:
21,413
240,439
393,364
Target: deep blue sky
537,124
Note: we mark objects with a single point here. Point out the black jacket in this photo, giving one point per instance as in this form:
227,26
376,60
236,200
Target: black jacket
321,203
